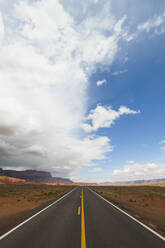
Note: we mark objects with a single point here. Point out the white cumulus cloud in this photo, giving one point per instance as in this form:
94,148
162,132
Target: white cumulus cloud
1,28
47,57
104,117
140,172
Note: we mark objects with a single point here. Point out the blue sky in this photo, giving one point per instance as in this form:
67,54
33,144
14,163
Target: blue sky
82,88
141,87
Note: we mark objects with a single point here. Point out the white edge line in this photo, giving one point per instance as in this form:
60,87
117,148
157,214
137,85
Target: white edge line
25,221
145,226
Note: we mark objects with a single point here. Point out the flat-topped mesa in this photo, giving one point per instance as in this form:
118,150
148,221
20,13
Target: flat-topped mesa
34,176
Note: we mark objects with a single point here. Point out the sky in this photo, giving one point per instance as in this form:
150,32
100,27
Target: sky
82,88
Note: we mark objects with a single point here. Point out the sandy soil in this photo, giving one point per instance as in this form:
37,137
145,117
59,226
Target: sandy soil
10,180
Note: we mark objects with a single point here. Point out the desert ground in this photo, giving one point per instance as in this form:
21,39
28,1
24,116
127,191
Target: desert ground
19,200
144,202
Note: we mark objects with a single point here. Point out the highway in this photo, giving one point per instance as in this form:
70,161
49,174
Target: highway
81,219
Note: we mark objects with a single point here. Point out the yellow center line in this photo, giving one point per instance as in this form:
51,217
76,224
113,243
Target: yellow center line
79,210
83,238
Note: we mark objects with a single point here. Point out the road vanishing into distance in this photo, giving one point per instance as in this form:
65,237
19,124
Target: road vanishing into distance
81,219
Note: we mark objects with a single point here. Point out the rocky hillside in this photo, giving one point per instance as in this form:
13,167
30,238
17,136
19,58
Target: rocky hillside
33,176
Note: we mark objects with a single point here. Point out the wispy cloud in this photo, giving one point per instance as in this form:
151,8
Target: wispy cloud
96,170
162,142
116,73
153,23
130,162
101,82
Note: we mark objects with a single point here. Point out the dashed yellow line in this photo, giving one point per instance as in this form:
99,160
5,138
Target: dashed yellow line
83,238
78,210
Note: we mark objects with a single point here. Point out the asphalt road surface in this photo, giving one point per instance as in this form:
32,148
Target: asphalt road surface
81,219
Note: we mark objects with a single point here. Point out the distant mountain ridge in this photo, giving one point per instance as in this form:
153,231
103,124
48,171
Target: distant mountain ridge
34,176
149,181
